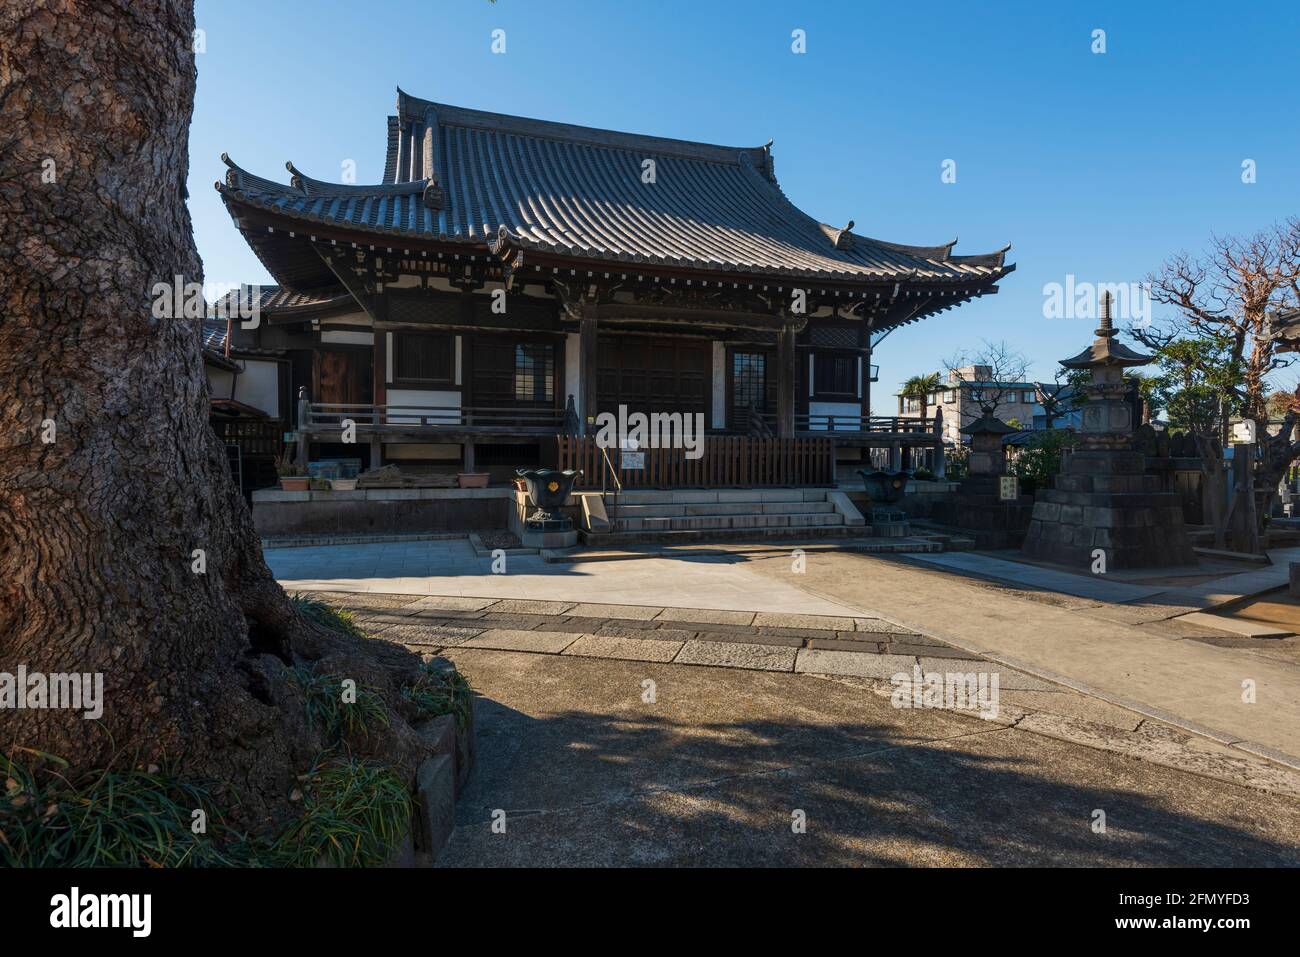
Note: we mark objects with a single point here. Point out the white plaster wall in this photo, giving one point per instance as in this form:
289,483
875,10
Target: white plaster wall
719,385
347,337
423,397
835,408
220,382
259,386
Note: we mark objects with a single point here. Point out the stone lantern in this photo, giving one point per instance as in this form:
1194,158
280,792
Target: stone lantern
987,457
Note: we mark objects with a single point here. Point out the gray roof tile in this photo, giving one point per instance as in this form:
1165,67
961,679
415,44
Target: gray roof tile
576,191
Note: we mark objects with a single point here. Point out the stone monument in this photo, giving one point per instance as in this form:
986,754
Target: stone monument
978,508
1104,500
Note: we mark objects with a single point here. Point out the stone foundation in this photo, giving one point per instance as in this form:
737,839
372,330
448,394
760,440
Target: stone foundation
1105,501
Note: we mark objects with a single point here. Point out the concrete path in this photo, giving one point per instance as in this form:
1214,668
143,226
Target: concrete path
1209,594
1032,576
1189,683
592,762
450,567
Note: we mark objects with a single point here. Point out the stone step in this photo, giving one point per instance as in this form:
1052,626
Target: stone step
632,510
618,539
689,522
704,497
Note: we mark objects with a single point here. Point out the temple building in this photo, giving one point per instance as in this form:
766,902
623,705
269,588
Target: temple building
512,278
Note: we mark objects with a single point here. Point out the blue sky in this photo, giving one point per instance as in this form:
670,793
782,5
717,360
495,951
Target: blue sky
1096,165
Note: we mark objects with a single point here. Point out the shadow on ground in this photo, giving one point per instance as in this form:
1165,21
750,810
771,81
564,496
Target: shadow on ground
714,771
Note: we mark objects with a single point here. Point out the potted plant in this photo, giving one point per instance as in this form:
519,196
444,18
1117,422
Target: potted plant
472,479
293,478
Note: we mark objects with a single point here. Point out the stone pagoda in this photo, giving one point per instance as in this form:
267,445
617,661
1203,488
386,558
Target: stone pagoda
1103,497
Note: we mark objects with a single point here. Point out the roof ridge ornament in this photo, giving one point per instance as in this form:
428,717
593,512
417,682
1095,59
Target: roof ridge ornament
1107,329
434,195
840,238
296,179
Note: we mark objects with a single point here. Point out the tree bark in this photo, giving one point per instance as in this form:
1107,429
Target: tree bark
98,527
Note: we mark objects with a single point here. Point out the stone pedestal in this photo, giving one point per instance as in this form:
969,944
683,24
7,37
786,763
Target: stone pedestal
1106,501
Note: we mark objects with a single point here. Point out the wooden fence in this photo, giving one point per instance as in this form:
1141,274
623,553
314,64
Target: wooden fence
726,462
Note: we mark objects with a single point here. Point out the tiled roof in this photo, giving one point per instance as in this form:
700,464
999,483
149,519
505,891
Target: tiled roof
458,175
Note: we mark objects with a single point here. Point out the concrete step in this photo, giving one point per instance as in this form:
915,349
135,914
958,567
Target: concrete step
688,522
615,540
632,510
702,497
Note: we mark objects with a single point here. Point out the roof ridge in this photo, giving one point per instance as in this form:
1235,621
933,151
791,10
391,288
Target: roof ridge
415,108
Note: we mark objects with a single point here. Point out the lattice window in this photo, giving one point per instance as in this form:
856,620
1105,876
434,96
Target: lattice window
423,358
835,374
534,372
749,380
834,337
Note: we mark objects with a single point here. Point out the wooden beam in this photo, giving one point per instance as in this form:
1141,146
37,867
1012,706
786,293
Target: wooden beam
718,317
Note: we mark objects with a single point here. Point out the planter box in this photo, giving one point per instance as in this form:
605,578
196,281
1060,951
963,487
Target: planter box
472,479
343,485
294,483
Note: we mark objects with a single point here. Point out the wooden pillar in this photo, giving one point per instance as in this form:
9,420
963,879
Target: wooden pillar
785,382
587,357
864,400
469,456
304,421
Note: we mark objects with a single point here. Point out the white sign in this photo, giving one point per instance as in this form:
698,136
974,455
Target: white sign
633,460
1244,431
1008,488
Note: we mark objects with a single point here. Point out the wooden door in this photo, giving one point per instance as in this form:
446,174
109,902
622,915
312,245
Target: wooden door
343,377
653,375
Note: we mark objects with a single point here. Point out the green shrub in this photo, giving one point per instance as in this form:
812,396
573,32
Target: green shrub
1039,462
437,693
355,814
108,818
327,709
323,614
923,475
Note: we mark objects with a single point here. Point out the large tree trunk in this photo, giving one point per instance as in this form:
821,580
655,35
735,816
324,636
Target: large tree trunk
98,528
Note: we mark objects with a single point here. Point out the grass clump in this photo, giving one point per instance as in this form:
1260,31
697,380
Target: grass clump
355,815
108,818
323,614
437,692
338,708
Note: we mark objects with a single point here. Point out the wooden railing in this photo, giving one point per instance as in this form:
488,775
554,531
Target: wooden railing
862,424
726,461
322,416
